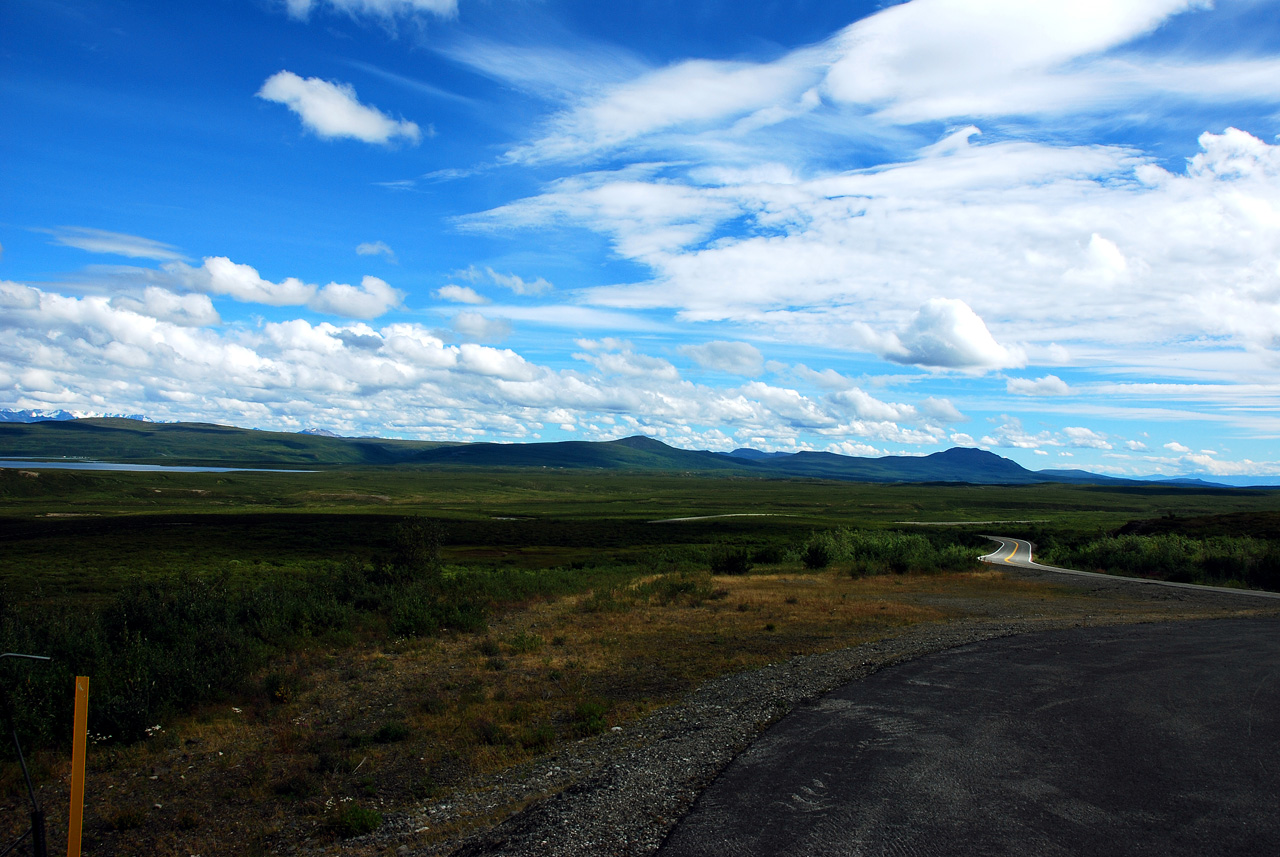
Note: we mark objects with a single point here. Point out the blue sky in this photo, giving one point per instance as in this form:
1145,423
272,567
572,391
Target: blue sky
1049,229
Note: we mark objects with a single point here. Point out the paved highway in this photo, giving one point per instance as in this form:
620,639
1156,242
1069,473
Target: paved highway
1158,740
1017,552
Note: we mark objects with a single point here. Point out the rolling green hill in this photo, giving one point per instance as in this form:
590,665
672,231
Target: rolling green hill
953,465
129,441
136,442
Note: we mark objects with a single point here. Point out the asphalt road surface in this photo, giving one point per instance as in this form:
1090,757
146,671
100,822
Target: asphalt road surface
1159,739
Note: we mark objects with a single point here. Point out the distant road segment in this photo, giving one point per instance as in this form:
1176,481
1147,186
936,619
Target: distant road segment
1017,552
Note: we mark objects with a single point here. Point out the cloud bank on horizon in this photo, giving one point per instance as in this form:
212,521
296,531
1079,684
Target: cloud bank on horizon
1050,229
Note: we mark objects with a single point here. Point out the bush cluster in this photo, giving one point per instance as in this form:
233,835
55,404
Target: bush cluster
163,645
884,551
1241,560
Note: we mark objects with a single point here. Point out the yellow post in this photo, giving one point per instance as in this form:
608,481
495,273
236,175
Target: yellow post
79,738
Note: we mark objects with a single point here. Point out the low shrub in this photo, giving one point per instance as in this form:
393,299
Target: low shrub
730,561
355,820
588,718
390,733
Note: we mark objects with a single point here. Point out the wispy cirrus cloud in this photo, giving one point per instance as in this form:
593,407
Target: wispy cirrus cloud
376,248
115,243
382,9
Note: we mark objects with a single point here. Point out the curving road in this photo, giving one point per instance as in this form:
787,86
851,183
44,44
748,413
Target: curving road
1017,552
1151,740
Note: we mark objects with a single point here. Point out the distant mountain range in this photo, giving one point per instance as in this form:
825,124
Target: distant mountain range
10,415
126,440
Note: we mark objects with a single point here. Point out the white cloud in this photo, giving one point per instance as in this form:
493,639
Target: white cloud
935,59
514,282
827,379
332,110
1134,445
384,9
1085,438
737,358
945,333
1049,385
1012,435
193,310
940,410
376,248
504,364
477,328
460,295
1245,467
859,252
689,92
218,275
616,358
115,243
1177,447
867,407
372,298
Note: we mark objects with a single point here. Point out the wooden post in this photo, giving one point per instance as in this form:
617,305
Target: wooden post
79,738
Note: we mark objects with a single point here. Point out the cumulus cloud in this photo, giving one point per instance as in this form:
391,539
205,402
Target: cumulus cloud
460,295
332,110
736,358
218,275
97,353
867,407
192,310
617,358
372,298
1012,434
115,243
1085,438
1049,385
946,334
1174,446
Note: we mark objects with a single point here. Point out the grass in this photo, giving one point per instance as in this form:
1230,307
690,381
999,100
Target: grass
317,654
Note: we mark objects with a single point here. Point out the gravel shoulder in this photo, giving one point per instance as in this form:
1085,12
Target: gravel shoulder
622,793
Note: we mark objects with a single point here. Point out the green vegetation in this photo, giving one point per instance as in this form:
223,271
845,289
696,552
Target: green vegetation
1221,560
390,632
175,589
885,552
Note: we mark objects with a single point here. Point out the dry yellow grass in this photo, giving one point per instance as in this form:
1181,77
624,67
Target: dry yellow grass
391,726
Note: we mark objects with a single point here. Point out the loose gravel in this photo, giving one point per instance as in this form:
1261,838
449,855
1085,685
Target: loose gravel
621,793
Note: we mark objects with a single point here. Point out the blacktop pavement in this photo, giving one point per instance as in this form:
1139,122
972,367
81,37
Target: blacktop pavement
1159,739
